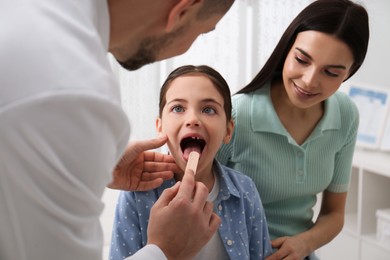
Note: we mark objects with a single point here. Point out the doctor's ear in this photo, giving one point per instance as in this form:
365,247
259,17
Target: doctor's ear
183,10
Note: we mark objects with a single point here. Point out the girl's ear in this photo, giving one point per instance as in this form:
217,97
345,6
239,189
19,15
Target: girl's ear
229,132
158,126
182,10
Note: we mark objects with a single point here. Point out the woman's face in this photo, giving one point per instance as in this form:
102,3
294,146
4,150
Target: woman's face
315,67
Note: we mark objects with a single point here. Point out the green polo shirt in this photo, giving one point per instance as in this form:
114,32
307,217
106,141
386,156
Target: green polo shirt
288,176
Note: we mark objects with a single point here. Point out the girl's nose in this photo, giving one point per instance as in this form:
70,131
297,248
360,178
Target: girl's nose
192,120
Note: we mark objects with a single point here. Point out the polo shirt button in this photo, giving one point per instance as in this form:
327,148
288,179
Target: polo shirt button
300,154
229,242
219,207
300,172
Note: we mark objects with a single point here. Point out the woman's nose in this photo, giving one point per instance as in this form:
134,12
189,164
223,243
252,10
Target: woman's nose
311,78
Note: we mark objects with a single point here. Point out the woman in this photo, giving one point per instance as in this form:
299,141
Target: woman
295,135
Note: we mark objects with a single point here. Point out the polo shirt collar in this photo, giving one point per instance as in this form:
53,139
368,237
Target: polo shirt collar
265,119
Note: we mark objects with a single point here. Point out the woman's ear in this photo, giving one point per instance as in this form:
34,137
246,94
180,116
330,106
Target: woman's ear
229,132
182,10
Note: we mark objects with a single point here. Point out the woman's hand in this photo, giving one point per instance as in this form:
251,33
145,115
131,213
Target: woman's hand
289,248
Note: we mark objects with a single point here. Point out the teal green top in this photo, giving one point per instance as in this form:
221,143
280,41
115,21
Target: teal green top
288,176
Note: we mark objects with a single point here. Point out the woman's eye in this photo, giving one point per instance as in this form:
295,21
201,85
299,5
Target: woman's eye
299,60
209,110
177,109
332,74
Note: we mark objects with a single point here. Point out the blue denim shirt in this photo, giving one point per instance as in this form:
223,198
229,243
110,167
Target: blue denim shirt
243,230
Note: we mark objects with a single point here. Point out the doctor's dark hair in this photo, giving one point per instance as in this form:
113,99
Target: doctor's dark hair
216,78
343,19
211,7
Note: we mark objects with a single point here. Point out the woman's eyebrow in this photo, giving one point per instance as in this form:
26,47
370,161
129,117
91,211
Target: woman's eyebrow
304,53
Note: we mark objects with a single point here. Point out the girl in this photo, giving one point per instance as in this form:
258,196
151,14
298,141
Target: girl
195,114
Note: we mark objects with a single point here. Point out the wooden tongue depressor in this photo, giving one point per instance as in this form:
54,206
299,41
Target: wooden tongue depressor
192,162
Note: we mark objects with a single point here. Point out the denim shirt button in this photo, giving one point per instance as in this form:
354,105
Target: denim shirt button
229,242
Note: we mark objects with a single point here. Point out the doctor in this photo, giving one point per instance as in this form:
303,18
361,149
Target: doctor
62,129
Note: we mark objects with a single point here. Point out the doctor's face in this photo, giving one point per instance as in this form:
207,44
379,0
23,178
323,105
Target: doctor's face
153,49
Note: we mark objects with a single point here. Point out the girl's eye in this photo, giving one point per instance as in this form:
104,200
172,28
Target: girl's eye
299,60
177,109
209,110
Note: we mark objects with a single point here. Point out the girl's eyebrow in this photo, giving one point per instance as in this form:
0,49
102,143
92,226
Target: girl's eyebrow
176,100
211,100
310,58
206,100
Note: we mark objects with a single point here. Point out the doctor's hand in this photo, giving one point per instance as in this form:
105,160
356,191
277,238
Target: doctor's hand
182,221
141,170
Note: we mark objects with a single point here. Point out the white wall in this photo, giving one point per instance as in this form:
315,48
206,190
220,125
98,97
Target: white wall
375,68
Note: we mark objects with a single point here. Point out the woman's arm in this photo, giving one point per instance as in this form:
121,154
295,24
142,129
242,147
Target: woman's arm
329,223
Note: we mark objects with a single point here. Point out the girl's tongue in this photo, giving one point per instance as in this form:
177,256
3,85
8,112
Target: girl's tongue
189,149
